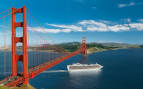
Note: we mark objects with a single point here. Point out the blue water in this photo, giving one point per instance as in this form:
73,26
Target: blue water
123,69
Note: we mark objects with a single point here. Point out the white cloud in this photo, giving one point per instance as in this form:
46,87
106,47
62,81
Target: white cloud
103,27
126,5
91,25
137,26
117,28
46,30
72,27
129,4
128,20
122,5
140,20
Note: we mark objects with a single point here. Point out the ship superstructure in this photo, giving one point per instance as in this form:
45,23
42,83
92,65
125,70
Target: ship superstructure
84,67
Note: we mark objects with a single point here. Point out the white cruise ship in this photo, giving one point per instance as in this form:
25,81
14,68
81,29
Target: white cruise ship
84,67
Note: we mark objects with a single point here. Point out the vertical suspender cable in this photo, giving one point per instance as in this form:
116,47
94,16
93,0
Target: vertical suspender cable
4,46
9,50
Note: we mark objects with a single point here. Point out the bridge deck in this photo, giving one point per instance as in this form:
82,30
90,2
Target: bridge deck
18,80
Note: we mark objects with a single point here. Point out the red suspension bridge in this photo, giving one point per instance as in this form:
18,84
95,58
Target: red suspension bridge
39,62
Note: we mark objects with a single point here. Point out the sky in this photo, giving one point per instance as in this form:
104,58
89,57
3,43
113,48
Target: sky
69,20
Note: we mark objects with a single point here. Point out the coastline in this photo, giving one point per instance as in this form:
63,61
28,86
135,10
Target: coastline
90,52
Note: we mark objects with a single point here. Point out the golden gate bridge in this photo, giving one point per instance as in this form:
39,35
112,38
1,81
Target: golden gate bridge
39,61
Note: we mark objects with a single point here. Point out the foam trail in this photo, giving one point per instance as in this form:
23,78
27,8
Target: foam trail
53,71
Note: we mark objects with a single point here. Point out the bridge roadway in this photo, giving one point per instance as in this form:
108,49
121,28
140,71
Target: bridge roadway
19,79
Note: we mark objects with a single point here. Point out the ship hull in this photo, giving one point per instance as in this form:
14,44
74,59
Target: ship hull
83,70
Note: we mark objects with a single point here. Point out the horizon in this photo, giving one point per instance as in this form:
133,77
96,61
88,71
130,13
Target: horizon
9,46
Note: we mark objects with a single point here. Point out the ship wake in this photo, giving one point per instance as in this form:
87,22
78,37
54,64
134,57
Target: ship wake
54,71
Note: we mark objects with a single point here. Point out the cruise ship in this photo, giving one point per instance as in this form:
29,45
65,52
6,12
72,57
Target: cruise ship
84,67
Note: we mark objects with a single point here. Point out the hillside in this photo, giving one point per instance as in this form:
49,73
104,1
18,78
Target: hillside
73,46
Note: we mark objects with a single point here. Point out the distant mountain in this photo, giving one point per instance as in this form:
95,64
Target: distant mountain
73,46
141,46
120,45
97,47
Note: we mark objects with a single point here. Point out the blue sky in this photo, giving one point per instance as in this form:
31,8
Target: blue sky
70,20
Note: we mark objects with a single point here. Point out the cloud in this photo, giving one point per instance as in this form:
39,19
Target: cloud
91,26
129,4
137,26
140,20
46,30
117,28
128,20
126,5
72,27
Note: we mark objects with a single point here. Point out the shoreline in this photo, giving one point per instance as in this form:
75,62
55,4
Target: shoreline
107,50
88,52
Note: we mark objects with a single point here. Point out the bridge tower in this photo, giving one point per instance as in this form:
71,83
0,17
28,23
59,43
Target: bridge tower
15,57
83,47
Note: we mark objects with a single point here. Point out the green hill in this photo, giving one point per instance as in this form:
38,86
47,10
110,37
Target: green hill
73,46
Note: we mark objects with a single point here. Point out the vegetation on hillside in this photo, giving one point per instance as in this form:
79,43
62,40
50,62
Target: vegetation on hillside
73,46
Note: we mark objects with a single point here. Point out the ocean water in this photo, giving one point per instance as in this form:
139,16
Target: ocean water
123,69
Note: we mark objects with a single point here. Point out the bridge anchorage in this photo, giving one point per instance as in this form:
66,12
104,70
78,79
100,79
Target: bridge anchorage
21,80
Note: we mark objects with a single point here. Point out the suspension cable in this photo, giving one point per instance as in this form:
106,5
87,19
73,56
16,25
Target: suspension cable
4,35
5,16
5,11
53,41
